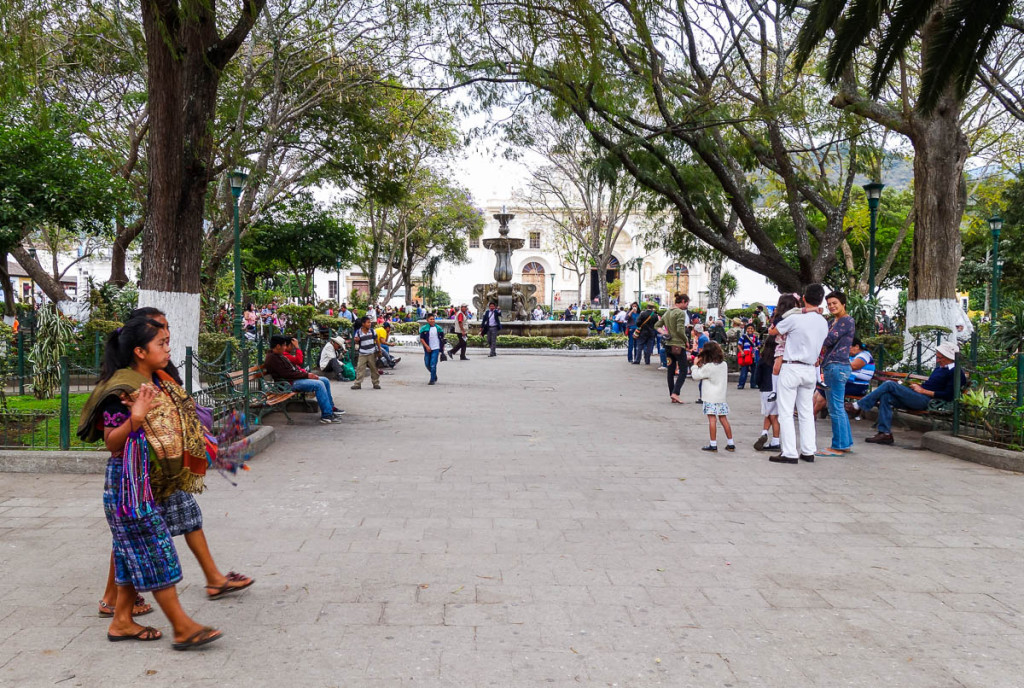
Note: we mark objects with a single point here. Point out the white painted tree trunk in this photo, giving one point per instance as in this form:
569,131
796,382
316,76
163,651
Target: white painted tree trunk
182,311
944,312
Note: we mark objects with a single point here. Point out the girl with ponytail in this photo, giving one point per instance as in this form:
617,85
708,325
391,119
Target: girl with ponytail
156,443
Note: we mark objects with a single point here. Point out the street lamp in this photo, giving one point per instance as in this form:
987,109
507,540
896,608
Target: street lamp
995,223
552,293
874,192
678,270
237,180
337,287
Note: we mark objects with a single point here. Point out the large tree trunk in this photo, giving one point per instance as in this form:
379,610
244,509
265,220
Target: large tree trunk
715,285
51,287
119,251
940,149
5,277
185,59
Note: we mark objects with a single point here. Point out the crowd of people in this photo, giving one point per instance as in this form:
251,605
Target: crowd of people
800,361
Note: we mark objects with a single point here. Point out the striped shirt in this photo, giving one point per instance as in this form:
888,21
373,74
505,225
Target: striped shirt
366,342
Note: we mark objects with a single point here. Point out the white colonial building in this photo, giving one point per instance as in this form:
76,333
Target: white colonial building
558,285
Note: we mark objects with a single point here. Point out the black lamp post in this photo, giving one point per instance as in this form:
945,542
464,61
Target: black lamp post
995,223
552,292
874,192
32,254
237,180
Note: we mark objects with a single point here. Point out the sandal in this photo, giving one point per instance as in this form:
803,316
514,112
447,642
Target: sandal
829,453
198,639
675,399
145,635
141,608
240,583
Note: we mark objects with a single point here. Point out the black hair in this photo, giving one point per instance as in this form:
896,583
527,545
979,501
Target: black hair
814,294
363,320
857,343
277,340
122,342
838,295
151,312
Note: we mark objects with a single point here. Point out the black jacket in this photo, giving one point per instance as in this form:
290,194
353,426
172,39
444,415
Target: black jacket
485,318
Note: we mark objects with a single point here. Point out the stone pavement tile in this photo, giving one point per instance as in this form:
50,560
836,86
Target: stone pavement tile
469,667
790,598
505,637
869,670
442,591
351,614
619,594
747,598
475,614
548,668
968,602
851,599
414,614
498,593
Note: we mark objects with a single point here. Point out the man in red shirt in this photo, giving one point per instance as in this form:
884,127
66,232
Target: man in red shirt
462,330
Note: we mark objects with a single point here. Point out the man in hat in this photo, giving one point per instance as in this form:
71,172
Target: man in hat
330,357
891,395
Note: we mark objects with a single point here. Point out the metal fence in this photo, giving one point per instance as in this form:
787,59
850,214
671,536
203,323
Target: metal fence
991,409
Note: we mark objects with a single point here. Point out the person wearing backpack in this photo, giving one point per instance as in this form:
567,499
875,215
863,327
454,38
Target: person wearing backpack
645,334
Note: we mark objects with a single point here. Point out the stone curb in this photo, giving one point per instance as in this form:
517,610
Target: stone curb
91,462
959,448
482,352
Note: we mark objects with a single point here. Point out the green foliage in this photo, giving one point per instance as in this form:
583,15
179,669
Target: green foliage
434,296
54,335
8,360
1009,328
333,323
891,344
110,302
511,341
212,345
864,312
46,178
327,305
358,301
298,317
730,313
406,328
102,327
300,237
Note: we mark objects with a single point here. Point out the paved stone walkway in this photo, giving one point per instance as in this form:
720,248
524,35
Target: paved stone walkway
545,521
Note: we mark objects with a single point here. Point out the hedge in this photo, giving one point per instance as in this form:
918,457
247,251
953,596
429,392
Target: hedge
891,343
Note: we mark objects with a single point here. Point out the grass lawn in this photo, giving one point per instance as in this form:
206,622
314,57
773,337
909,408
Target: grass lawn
31,422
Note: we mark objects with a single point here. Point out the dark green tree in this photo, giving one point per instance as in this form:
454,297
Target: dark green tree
300,237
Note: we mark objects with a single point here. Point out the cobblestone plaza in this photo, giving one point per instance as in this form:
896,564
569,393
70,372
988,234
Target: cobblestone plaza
513,526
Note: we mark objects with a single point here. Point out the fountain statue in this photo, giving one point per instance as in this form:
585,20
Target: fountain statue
515,301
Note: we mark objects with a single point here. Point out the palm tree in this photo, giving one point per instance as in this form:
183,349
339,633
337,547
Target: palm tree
965,33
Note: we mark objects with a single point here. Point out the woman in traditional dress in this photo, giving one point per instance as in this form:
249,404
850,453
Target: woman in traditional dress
141,413
183,516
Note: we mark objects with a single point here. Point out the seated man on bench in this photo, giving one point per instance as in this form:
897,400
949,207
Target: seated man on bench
281,369
891,394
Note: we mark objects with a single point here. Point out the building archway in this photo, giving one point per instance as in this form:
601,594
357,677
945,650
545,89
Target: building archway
611,275
677,278
533,273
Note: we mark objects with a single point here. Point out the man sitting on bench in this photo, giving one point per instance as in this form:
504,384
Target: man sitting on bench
281,369
891,394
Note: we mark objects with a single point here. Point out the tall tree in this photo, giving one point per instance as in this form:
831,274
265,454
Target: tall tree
583,192
186,56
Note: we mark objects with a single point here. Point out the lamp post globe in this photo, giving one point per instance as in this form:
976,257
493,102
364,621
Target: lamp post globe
874,194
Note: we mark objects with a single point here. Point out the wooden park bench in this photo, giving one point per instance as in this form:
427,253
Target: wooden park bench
267,395
938,411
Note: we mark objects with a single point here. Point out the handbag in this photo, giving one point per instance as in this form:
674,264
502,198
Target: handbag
745,357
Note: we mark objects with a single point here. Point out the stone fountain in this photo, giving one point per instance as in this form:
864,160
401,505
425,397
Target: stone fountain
516,301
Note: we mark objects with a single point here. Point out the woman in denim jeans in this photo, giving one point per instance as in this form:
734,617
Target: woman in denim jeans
835,361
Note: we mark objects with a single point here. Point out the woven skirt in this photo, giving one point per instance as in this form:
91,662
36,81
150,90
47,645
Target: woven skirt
144,553
181,513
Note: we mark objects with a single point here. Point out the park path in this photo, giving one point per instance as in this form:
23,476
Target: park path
545,521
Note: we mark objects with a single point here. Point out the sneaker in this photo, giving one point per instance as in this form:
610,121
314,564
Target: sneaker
880,438
356,387
662,368
337,411
698,401
709,448
376,386
326,420
760,442
730,447
396,361
772,397
779,458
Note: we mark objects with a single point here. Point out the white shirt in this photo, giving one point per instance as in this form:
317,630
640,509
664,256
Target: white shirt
491,317
328,354
805,333
433,341
716,381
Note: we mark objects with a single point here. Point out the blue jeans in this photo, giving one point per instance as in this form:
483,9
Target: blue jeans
889,395
644,348
744,371
322,388
430,361
632,352
836,375
661,351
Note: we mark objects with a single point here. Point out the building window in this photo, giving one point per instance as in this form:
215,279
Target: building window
474,242
332,289
677,279
534,239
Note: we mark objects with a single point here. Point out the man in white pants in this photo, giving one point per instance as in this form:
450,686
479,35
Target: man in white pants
805,333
